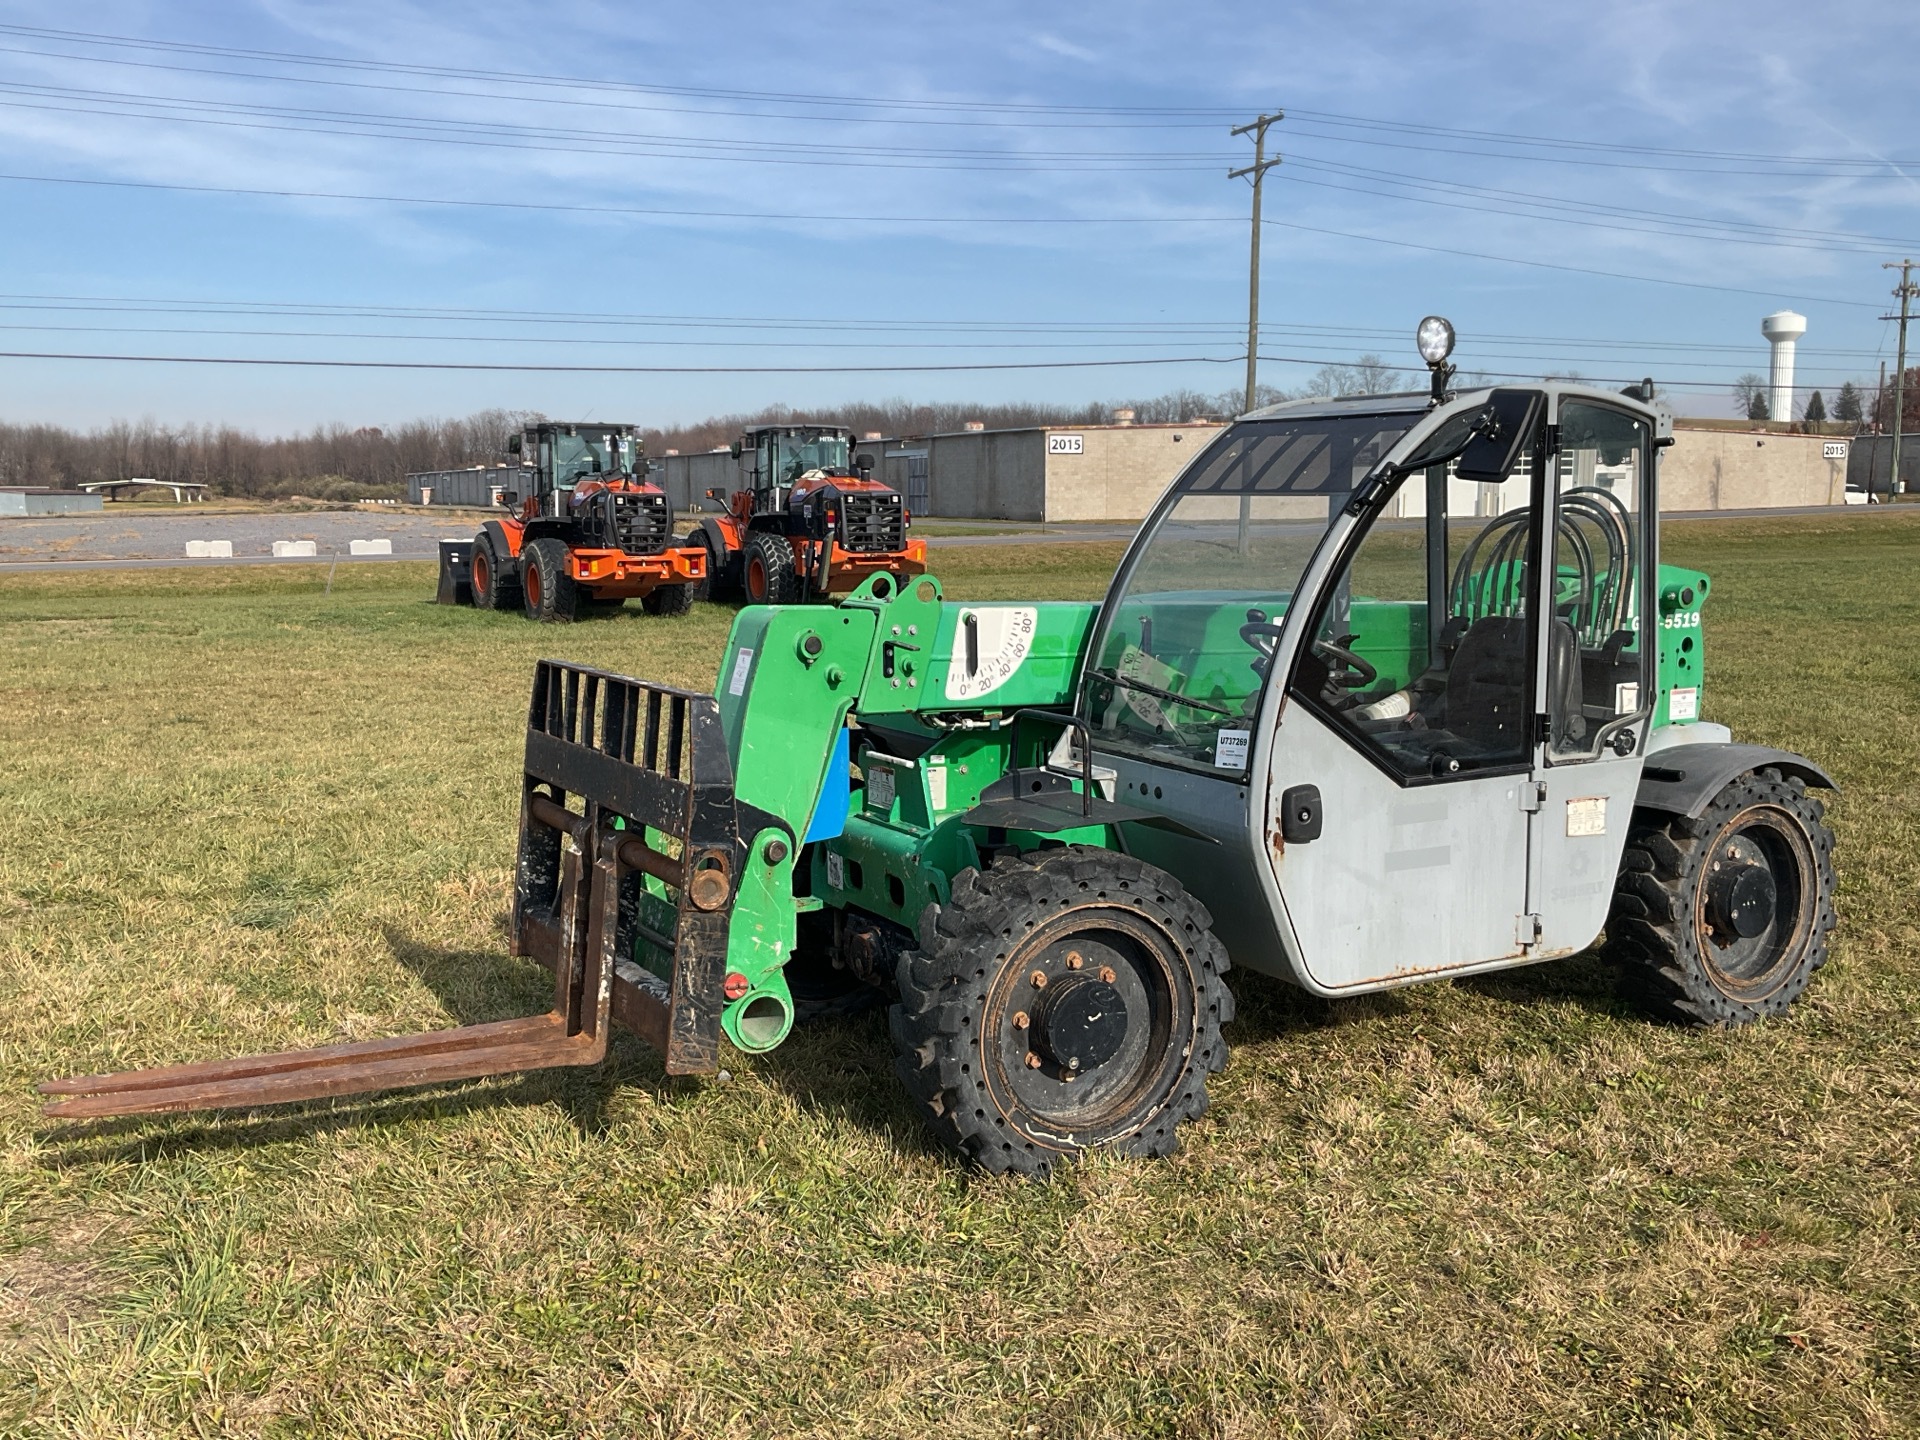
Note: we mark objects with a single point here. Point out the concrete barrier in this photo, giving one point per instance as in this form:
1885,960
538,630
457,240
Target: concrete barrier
209,549
370,547
288,549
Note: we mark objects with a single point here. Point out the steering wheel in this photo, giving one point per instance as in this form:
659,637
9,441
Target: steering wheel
1352,672
1346,670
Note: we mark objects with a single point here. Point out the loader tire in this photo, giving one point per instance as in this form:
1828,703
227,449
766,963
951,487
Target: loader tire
712,587
552,594
668,600
1722,920
495,586
768,567
1111,1050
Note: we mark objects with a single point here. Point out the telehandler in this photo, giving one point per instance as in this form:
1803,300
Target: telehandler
808,524
1387,689
592,533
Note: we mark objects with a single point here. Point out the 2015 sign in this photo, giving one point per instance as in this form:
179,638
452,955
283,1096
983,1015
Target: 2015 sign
1834,450
1064,445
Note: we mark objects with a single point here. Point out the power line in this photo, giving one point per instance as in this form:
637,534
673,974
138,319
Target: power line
1329,117
1581,212
602,102
1197,116
598,83
844,158
324,364
1567,269
663,212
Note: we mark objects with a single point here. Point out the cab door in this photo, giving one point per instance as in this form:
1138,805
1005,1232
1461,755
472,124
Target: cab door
1598,687
1401,788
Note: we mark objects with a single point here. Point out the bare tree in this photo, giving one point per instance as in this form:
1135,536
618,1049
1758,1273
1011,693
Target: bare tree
1750,396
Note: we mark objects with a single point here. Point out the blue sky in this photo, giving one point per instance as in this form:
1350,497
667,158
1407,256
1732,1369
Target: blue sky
1072,155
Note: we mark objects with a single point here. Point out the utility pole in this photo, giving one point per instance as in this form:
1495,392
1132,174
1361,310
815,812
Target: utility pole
1905,293
1256,172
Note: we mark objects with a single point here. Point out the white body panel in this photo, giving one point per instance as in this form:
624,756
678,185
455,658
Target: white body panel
1403,882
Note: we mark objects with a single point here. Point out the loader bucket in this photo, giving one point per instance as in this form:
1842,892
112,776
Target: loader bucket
629,844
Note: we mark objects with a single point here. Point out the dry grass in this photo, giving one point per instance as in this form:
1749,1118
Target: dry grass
236,813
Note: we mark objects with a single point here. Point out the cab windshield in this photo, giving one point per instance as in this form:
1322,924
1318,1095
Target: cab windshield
795,455
589,453
1177,674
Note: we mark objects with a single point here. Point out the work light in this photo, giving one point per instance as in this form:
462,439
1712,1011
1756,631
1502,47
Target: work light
1435,339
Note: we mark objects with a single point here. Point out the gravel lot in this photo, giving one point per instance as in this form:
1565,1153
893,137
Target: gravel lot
123,533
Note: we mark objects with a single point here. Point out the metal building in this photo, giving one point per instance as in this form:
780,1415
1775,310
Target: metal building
42,500
479,485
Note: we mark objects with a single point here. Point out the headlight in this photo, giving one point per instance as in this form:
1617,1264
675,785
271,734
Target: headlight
1435,339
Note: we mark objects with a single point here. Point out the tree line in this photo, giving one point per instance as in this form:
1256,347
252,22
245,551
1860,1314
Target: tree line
1852,411
333,462
340,462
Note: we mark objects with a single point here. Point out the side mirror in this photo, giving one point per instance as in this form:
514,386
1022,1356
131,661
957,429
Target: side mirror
734,449
513,444
1506,427
509,499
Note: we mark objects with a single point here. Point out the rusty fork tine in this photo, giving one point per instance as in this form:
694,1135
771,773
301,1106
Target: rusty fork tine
205,1072
543,1045
570,1034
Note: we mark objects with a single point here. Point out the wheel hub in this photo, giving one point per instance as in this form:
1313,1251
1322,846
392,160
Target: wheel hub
1742,899
1080,1023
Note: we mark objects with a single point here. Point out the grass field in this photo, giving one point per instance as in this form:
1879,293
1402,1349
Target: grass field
237,813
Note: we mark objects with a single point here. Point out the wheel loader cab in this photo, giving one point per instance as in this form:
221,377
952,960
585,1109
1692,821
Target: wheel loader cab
1388,656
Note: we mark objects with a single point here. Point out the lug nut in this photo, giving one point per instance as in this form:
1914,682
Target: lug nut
1020,1021
1075,960
1106,974
1038,980
1033,1061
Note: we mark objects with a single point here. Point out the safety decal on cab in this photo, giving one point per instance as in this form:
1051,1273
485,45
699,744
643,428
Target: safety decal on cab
742,668
988,647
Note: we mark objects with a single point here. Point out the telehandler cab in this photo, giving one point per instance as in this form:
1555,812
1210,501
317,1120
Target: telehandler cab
809,523
592,533
1386,689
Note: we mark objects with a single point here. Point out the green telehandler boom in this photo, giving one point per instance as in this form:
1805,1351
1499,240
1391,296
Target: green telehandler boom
1386,689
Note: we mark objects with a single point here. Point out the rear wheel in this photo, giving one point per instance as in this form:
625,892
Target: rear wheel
494,585
1064,1001
1723,920
770,575
668,600
551,592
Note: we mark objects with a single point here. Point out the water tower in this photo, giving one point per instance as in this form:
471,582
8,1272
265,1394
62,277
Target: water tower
1782,328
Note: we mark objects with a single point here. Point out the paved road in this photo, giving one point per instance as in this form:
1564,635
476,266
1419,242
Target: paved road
122,539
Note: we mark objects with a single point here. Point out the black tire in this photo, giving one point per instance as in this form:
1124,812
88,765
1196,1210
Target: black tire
1723,920
767,570
492,587
668,600
989,1054
552,594
712,587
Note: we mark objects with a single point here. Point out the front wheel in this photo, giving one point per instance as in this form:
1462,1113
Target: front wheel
1723,920
551,592
1064,1001
771,578
494,585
